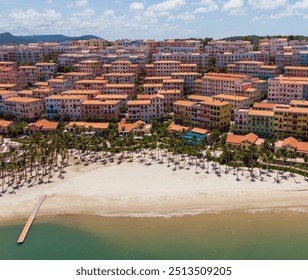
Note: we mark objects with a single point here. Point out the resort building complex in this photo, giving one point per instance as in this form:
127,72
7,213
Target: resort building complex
217,84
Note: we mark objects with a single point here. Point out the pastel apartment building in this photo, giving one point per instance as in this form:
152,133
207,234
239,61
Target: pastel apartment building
46,71
235,101
6,94
91,94
77,76
95,84
291,120
261,122
296,71
174,84
156,79
10,75
123,98
93,67
99,109
220,46
284,89
42,93
152,88
207,114
23,107
64,106
30,73
188,77
254,69
223,59
235,84
197,58
241,119
170,96
127,89
146,109
166,68
4,126
121,66
60,85
121,78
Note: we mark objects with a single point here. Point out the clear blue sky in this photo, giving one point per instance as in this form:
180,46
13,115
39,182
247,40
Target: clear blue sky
157,19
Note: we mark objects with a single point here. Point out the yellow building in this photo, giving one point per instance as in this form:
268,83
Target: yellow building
207,114
290,120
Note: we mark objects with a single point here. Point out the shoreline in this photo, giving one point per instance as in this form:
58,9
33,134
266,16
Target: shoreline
135,190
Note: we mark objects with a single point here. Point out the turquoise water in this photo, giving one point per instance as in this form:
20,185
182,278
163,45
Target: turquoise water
208,236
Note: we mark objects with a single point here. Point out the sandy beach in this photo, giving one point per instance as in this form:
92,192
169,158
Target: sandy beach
133,189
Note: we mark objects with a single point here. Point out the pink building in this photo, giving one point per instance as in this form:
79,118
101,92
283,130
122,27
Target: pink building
99,109
121,78
127,89
23,107
146,109
91,85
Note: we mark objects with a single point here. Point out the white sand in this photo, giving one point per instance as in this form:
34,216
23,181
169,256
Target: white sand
132,189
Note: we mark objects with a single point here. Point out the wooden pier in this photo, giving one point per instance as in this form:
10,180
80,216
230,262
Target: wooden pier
30,220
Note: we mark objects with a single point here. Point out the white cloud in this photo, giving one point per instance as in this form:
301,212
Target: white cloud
136,6
85,13
49,1
301,5
267,4
209,6
24,20
109,13
168,5
81,3
233,6
187,17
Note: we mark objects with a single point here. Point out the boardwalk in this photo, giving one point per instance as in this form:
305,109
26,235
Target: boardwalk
30,220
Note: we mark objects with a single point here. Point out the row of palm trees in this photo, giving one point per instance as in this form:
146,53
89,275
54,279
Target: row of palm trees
42,157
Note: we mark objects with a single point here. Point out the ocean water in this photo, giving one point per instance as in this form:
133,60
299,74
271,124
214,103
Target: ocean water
231,236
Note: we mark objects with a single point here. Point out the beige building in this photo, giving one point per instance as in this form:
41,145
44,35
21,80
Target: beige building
146,109
23,107
64,106
284,89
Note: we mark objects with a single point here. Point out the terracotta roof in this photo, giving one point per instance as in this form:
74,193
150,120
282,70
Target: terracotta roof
127,127
302,147
200,131
184,103
238,139
111,96
97,81
59,97
97,125
199,97
138,102
265,105
22,99
289,141
120,86
261,113
150,96
169,91
5,123
45,125
177,127
231,97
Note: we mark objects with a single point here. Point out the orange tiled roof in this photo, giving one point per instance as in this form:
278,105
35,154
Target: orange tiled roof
238,139
5,123
200,130
178,128
127,127
45,124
